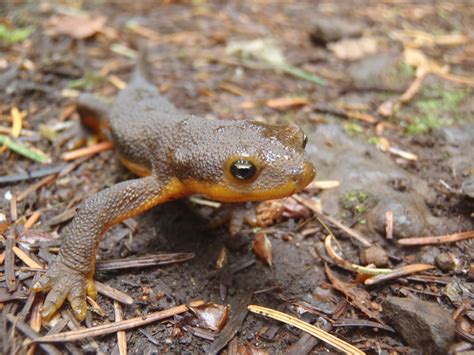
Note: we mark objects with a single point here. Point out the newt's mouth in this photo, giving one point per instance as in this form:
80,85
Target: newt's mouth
309,173
222,192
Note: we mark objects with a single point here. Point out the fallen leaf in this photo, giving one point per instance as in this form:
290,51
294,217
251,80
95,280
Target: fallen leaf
77,27
353,49
356,296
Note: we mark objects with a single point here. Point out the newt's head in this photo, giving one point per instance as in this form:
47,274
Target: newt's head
242,161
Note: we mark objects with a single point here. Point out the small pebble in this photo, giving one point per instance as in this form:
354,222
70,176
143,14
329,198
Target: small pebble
445,261
374,255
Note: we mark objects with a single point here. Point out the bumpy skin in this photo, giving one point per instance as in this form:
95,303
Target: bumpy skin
176,155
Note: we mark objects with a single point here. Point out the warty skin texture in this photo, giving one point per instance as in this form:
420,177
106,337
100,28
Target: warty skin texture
176,155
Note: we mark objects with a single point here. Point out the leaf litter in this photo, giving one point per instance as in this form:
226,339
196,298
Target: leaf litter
293,228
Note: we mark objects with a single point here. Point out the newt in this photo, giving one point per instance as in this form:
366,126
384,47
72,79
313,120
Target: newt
174,154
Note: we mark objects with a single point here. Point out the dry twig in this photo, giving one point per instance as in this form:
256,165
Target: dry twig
450,238
117,326
94,149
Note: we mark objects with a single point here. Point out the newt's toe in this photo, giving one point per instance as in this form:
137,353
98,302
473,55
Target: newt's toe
61,283
77,300
43,284
54,300
91,291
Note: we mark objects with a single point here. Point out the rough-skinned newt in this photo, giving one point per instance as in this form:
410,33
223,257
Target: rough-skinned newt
175,154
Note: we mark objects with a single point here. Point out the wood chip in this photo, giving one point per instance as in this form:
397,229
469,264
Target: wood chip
389,225
283,103
117,82
32,219
17,121
402,153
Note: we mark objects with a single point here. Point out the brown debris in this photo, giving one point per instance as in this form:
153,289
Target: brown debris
355,295
263,248
10,263
396,273
211,315
233,325
77,27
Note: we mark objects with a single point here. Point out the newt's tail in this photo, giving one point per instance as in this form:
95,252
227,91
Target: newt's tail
142,68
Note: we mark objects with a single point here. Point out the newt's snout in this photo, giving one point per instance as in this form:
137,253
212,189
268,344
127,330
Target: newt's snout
308,175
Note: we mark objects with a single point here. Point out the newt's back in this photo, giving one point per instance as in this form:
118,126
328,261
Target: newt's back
141,122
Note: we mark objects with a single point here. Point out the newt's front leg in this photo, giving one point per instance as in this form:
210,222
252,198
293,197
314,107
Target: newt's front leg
70,275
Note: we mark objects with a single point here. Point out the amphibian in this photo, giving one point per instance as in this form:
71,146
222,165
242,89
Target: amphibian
175,154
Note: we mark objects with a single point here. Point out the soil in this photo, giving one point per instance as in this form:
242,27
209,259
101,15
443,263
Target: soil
187,41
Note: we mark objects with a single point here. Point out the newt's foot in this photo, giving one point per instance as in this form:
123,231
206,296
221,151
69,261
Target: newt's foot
62,283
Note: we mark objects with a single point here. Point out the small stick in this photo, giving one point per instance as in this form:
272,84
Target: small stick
450,238
94,149
10,263
311,329
117,326
403,271
121,336
112,293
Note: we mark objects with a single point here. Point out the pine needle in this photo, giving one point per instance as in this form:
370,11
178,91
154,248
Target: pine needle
311,329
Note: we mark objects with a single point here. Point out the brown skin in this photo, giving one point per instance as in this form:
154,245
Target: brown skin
176,155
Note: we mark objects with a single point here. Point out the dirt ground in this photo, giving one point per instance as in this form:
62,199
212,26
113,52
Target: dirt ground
384,91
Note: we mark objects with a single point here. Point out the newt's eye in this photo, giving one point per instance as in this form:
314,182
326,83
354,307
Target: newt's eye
305,140
243,169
